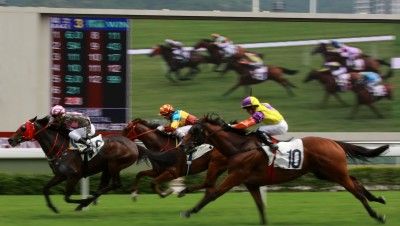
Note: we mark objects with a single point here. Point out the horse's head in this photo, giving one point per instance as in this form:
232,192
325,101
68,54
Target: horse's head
203,43
157,50
28,130
320,48
130,130
312,75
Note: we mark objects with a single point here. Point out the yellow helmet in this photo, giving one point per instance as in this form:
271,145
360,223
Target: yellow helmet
215,35
166,109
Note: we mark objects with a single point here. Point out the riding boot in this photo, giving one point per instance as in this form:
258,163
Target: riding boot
266,140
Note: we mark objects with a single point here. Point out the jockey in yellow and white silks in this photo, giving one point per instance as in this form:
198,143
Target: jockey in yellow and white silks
258,68
273,122
180,121
340,74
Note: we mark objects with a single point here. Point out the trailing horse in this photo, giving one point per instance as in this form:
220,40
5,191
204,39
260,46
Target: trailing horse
117,153
250,165
169,162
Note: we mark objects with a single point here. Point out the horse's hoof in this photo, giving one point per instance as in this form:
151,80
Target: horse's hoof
181,194
382,219
54,209
382,199
134,196
185,214
79,208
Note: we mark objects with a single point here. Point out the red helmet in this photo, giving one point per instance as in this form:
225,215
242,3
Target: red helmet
57,110
166,109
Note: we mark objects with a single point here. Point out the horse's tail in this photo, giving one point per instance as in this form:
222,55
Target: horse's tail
288,71
358,152
381,61
142,155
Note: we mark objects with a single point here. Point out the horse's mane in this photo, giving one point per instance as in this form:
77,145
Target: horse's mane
53,126
215,119
151,125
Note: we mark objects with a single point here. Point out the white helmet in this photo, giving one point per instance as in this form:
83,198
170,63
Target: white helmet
57,110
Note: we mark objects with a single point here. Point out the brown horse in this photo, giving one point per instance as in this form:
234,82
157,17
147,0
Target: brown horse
175,65
170,163
364,97
370,64
248,164
117,153
328,81
246,79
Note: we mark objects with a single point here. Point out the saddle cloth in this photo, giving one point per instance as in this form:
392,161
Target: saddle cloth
290,155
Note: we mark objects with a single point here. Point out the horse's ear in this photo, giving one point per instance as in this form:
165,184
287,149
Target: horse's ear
33,119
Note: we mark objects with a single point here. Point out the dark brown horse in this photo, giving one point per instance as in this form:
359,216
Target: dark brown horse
170,163
246,79
215,54
364,97
327,80
248,165
175,65
370,64
117,153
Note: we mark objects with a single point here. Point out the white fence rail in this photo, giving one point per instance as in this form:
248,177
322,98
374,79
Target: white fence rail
290,43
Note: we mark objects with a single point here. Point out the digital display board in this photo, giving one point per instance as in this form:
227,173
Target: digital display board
89,69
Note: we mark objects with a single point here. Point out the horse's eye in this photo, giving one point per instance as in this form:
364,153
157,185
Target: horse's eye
23,128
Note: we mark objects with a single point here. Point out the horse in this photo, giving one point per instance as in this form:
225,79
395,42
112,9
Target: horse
245,78
249,164
175,65
67,165
364,97
370,64
329,83
169,162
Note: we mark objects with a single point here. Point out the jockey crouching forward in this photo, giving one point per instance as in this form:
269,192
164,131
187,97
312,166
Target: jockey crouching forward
274,123
258,69
352,54
178,51
81,127
373,82
340,75
226,45
180,121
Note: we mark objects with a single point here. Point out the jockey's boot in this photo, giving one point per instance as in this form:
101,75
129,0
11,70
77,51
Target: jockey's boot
266,140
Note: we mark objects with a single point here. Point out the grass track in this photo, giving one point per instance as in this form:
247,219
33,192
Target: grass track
303,112
297,208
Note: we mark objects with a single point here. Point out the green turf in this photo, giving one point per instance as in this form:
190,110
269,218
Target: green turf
300,208
202,95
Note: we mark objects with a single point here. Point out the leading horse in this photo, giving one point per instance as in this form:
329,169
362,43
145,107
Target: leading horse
117,153
169,162
248,165
175,65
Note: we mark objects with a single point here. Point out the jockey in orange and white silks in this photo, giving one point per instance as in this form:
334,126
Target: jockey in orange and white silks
178,51
226,45
79,124
180,121
258,68
273,122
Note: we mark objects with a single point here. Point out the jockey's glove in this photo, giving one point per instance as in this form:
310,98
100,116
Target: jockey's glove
161,128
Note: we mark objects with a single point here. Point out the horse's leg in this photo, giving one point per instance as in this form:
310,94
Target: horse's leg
134,188
46,190
69,189
368,194
213,172
165,176
168,75
255,193
375,110
233,179
352,187
340,99
354,111
231,89
116,183
104,180
325,99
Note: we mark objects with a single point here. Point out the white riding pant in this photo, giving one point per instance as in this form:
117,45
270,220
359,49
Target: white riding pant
182,131
79,133
276,129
